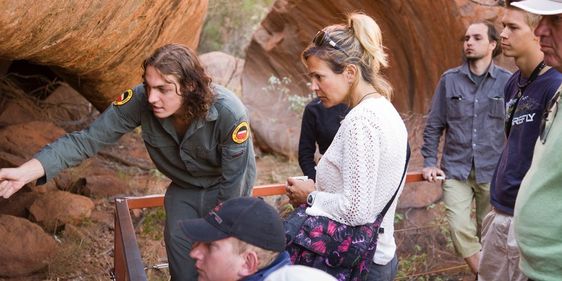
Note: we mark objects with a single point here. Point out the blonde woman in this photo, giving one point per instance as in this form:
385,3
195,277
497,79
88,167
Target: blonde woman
362,170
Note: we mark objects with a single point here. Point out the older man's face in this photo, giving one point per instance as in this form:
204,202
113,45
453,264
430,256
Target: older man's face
550,32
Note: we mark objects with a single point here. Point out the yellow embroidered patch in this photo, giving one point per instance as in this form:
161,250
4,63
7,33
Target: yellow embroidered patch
241,133
124,97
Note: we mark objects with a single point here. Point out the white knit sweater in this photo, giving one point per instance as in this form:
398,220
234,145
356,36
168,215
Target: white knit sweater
363,166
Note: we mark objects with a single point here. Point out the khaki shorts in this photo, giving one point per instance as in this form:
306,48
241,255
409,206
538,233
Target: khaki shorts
500,255
458,197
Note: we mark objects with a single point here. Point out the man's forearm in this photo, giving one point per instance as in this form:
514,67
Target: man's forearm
33,170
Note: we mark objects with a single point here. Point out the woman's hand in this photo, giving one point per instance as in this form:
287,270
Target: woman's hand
298,190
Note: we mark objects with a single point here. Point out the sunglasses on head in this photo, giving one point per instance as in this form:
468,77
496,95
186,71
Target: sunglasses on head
322,39
548,117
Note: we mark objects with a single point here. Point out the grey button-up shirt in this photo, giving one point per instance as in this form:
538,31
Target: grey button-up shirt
472,116
208,156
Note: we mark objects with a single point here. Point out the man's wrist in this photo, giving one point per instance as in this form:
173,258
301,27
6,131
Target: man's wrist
33,170
428,163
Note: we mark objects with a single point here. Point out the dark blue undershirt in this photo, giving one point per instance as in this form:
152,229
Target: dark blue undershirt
319,125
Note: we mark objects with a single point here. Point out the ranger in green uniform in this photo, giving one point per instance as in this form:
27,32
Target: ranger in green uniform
196,133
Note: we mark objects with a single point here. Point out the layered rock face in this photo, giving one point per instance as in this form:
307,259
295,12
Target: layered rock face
225,69
96,46
423,39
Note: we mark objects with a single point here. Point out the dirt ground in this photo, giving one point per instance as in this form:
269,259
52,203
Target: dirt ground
86,251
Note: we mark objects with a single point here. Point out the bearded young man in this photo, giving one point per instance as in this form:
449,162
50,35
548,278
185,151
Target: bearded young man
468,106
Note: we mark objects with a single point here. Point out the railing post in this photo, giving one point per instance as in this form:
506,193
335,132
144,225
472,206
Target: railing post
133,265
118,255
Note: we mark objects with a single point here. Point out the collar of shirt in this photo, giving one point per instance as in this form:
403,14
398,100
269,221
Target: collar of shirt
492,70
282,260
213,113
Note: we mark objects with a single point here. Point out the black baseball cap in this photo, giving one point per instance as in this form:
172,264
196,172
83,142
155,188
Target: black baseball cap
249,219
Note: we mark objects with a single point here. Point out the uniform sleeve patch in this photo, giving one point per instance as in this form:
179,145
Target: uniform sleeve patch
124,97
241,133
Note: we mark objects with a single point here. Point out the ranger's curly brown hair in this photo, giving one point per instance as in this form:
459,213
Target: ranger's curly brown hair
195,85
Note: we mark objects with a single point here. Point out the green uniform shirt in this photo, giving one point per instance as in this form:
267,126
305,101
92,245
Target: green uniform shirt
208,156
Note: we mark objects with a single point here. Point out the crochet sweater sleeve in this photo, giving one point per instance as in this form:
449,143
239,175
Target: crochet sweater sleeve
350,189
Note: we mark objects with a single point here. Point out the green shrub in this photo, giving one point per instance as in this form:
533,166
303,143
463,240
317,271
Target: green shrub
230,24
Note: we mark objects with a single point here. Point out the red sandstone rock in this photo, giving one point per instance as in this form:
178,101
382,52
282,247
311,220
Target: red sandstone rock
64,107
10,160
23,140
423,39
25,247
68,109
55,209
419,217
14,113
18,204
225,69
104,186
97,47
419,195
129,151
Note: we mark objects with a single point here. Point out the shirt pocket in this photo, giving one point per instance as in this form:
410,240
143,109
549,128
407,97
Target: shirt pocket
158,141
457,107
204,158
496,106
234,152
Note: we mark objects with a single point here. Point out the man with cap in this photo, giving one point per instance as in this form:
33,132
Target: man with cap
538,227
240,239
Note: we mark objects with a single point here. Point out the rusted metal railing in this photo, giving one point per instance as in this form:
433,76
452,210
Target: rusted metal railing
127,260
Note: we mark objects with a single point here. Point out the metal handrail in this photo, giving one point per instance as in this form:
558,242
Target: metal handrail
127,259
